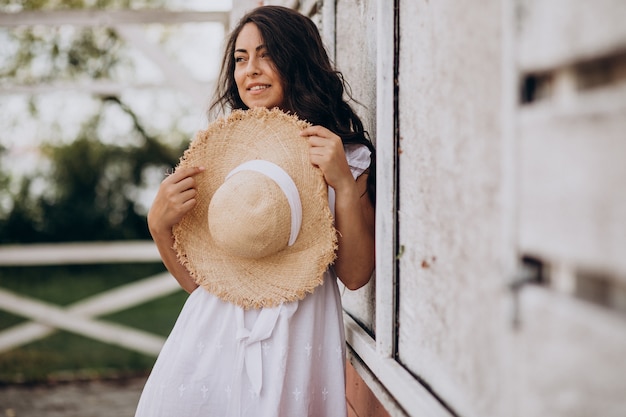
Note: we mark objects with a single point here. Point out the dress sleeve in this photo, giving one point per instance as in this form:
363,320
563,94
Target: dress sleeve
358,157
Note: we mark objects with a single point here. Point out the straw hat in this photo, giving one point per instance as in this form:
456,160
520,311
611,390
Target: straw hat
261,232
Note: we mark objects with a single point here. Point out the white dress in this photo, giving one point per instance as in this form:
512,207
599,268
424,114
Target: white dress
286,361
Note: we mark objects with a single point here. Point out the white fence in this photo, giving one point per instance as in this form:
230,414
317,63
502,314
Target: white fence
82,317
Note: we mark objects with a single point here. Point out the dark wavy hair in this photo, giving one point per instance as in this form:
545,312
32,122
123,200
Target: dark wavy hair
314,90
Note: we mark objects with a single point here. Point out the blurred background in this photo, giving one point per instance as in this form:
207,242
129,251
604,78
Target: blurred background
500,287
98,99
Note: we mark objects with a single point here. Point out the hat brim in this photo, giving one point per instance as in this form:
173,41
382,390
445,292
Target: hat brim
287,275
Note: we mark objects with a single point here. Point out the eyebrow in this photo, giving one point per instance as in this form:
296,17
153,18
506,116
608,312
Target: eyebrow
258,48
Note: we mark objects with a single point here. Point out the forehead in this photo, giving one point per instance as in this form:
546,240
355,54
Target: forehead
249,37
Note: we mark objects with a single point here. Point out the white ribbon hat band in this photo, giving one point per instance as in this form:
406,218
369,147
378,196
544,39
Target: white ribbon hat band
286,184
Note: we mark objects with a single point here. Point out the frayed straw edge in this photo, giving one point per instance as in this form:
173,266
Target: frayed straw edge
260,113
329,258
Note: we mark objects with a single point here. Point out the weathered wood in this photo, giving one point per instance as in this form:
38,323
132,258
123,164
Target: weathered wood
359,71
572,176
558,32
450,217
79,253
109,17
385,181
569,358
407,391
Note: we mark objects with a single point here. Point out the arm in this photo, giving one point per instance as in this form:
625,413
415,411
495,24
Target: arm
176,196
354,220
354,214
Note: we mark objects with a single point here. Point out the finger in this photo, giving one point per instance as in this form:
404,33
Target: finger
188,205
320,142
320,160
315,131
316,141
186,183
182,173
316,146
187,195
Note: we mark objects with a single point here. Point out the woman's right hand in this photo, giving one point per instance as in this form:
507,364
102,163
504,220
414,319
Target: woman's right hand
175,197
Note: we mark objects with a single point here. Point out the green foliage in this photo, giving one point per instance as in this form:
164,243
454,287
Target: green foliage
65,356
23,221
44,54
66,284
90,192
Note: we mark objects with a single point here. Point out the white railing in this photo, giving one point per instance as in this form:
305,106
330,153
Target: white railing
81,317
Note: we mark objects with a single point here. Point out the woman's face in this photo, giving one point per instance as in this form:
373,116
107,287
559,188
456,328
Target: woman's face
258,83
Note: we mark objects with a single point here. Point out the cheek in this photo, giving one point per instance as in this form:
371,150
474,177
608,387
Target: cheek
239,78
278,82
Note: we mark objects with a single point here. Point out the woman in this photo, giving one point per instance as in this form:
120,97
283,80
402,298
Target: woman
274,58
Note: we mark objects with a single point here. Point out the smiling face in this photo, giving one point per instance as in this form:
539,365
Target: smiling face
258,82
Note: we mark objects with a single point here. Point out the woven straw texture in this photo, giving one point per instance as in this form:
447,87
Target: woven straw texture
283,276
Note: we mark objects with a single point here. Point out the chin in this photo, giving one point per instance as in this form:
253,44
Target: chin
262,103
266,105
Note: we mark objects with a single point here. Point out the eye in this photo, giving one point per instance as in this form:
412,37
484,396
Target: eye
240,58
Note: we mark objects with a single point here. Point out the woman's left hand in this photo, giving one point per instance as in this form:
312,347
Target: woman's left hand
354,213
326,152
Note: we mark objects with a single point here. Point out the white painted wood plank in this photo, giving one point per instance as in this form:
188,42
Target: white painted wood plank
360,71
21,334
557,32
573,183
385,181
569,357
110,301
410,394
126,296
329,28
79,253
452,272
109,17
508,196
306,6
54,316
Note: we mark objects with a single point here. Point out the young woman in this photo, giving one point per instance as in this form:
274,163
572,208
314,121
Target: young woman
274,58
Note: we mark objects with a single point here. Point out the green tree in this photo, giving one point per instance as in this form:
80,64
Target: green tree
90,194
90,191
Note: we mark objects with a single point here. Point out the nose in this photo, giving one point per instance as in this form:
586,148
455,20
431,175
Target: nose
253,67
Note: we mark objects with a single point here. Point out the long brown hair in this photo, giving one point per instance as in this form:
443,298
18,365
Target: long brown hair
314,89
